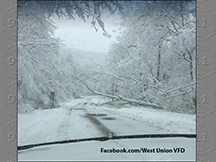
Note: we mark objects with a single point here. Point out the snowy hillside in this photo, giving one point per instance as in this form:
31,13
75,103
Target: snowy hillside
83,58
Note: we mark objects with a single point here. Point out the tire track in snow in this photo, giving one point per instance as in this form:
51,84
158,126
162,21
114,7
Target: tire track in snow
62,130
63,126
101,127
98,125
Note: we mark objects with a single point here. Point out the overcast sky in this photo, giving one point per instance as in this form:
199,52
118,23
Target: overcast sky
78,34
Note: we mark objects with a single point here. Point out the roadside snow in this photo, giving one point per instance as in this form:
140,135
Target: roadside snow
170,122
54,125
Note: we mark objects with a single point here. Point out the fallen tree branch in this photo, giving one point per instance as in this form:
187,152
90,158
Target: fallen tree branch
131,101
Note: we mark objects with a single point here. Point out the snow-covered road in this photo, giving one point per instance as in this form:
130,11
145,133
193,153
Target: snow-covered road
119,125
82,119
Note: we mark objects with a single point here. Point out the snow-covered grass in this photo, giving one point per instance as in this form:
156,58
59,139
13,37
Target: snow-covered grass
39,125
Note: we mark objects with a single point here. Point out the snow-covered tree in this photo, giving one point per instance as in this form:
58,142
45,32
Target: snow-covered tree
41,67
156,53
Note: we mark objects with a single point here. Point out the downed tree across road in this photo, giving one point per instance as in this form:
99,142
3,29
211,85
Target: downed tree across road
130,101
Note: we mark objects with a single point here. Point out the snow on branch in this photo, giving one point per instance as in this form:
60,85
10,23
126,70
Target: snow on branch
179,88
115,96
178,94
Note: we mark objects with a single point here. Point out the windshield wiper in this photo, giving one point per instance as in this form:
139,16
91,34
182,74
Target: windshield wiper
109,137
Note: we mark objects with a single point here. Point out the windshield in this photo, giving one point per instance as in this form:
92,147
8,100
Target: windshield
92,69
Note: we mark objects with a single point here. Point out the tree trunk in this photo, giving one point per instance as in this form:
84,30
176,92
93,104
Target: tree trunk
159,61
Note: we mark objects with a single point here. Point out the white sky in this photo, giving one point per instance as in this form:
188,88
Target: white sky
78,34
